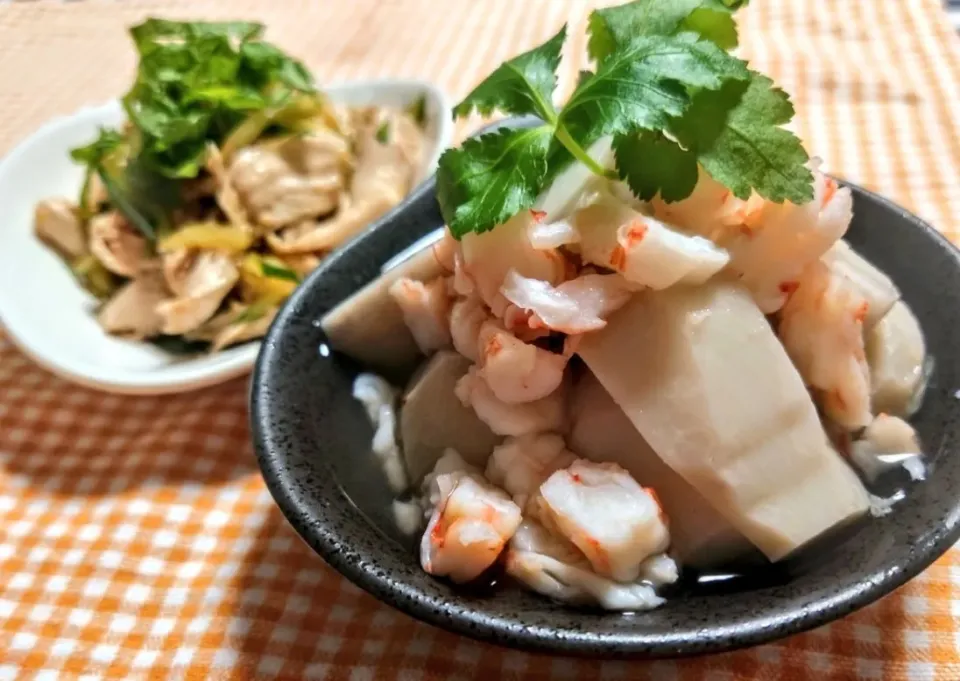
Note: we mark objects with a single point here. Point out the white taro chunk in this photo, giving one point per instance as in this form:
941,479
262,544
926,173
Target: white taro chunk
369,326
896,353
688,366
468,529
616,523
432,419
547,235
567,190
600,431
644,250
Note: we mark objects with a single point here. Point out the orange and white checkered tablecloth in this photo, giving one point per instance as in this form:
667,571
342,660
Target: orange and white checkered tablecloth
137,539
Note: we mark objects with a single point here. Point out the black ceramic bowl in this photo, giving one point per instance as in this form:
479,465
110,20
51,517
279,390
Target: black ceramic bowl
313,442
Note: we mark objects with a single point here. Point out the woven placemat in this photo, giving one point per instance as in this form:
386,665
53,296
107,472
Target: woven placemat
136,537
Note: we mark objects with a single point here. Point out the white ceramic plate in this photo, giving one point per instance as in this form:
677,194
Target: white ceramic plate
51,318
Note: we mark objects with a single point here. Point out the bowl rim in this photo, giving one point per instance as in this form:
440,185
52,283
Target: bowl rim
233,362
377,581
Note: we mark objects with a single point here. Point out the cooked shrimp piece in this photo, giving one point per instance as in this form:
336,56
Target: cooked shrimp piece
644,250
601,509
446,250
547,235
489,256
543,415
426,310
553,567
463,285
821,328
888,442
777,242
438,483
517,372
521,464
710,211
468,529
576,306
379,399
466,317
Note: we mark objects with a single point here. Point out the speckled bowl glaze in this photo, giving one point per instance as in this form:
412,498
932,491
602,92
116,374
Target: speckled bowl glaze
313,442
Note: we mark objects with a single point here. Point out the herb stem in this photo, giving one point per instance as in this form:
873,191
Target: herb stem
578,153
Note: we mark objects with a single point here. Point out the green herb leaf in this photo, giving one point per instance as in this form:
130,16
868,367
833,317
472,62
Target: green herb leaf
278,272
737,136
118,197
197,81
615,27
418,110
383,133
492,178
645,85
142,196
178,345
651,164
521,86
107,142
252,312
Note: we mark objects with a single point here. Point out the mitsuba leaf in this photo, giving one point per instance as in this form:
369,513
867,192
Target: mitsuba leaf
651,164
736,135
521,86
615,27
645,85
492,178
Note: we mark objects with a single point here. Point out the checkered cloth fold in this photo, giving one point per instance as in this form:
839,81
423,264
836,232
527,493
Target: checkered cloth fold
136,537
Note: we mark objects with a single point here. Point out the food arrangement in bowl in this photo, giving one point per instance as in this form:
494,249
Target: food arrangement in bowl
641,346
230,180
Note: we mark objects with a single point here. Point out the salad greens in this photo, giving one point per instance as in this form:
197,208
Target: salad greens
667,91
196,83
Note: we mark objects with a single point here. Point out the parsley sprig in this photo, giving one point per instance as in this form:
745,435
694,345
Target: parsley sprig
667,91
